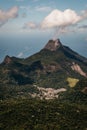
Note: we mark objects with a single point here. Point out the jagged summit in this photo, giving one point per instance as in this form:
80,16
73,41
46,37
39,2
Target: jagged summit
7,59
53,45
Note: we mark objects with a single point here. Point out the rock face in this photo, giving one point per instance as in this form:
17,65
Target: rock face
48,93
78,69
7,60
53,45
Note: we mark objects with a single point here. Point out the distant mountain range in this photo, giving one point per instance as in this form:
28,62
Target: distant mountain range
54,72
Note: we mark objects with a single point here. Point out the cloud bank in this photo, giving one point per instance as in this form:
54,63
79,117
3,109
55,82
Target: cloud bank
6,15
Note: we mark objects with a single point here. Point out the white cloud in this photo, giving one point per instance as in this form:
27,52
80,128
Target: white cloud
9,14
30,25
84,14
83,27
25,7
44,8
24,52
58,18
24,15
20,54
61,22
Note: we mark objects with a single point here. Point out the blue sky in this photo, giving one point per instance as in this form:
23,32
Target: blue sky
26,25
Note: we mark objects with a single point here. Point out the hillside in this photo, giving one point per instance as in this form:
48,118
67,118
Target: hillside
34,114
46,91
56,67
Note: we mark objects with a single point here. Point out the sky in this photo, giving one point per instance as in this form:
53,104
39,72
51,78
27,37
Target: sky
27,25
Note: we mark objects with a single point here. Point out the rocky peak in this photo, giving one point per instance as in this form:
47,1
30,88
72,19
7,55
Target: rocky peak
7,60
53,45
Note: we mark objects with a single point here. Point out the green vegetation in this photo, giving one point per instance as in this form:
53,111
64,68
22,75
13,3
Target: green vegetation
16,91
42,115
81,84
19,78
45,68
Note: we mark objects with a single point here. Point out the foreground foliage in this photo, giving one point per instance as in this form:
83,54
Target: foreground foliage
31,114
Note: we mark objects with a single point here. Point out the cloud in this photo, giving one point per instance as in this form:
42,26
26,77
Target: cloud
9,14
83,27
25,7
44,8
23,53
61,22
20,54
84,14
30,25
59,18
24,15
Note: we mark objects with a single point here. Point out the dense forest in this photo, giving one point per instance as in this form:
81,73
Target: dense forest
31,114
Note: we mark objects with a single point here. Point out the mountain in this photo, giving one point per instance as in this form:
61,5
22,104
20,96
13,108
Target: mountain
53,71
53,45
45,91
